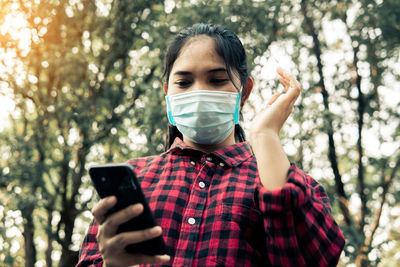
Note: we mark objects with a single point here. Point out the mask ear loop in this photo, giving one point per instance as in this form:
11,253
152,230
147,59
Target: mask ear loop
239,133
237,108
169,111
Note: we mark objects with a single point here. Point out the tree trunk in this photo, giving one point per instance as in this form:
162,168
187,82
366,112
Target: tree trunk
49,250
28,234
343,198
69,258
68,216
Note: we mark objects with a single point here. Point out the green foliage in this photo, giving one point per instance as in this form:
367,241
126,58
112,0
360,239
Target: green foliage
88,89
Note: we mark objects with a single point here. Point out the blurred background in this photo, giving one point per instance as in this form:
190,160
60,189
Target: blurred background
81,84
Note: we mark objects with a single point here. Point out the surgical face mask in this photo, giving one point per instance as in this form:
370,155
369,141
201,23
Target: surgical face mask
205,117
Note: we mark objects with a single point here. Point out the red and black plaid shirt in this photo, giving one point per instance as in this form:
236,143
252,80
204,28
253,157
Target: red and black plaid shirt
215,212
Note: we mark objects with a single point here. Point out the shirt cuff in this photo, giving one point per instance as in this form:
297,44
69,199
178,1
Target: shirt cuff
292,195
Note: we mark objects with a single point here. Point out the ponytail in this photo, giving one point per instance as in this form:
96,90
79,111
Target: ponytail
172,133
239,134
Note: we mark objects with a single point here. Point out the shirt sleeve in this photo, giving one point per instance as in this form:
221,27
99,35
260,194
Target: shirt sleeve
89,254
299,225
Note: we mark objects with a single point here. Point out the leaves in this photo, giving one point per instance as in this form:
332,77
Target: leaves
88,89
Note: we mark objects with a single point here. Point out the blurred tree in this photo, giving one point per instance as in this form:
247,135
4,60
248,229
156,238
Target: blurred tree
89,88
341,109
73,86
342,100
369,54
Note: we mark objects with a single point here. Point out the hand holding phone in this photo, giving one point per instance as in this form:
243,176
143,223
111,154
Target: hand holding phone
125,221
112,245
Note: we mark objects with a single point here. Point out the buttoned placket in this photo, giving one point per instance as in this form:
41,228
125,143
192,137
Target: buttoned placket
195,207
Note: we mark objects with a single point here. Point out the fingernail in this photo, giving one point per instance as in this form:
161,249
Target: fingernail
156,230
164,257
111,200
137,207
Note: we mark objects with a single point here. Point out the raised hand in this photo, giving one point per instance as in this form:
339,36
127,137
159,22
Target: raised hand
278,108
272,162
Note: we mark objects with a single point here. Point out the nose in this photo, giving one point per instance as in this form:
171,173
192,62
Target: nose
200,85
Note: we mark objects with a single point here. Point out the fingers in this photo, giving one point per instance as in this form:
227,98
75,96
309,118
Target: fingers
273,98
284,74
146,259
286,79
130,259
100,210
285,83
111,245
293,92
123,239
291,86
110,225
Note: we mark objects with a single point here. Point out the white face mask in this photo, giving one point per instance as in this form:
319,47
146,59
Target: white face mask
205,117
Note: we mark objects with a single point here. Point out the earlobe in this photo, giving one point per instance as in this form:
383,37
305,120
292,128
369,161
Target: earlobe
165,86
247,90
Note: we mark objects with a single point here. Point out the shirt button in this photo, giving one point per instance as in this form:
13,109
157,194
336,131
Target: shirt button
208,158
191,221
193,163
221,164
202,184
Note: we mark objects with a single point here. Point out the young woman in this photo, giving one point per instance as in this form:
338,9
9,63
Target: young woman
217,203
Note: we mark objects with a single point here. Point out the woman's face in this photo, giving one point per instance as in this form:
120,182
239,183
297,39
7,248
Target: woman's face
199,67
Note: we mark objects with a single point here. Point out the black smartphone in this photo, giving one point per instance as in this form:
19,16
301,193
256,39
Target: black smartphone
120,180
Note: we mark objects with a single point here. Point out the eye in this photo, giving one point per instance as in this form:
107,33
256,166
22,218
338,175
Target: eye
183,83
219,81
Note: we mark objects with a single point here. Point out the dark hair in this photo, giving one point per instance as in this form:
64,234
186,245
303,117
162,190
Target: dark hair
228,47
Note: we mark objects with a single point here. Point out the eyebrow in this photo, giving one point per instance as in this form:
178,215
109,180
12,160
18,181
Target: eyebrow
210,71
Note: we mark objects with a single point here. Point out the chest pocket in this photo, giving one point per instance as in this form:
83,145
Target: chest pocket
239,215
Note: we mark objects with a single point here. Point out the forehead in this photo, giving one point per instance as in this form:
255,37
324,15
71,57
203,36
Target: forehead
198,52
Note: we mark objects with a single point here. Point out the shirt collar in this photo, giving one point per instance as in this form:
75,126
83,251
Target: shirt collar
232,155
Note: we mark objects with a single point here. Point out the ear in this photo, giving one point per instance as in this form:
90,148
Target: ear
248,87
165,86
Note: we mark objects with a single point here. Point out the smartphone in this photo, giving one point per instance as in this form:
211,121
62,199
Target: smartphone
120,180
